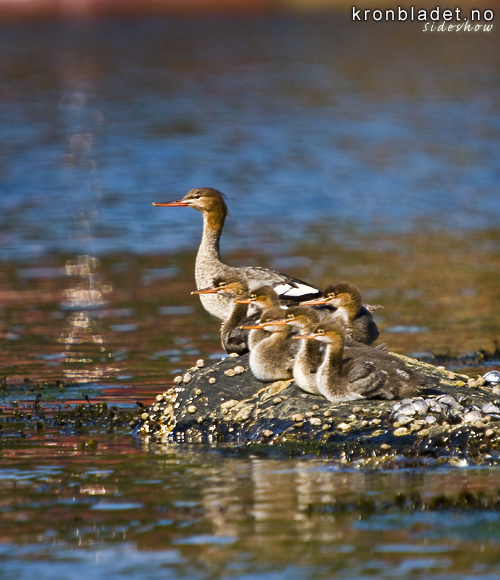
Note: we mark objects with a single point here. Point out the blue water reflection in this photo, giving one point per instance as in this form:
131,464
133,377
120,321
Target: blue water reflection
305,119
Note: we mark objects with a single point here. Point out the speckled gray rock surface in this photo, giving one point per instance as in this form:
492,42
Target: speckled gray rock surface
223,403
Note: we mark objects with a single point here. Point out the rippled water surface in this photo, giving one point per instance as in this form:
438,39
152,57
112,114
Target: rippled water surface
184,513
362,152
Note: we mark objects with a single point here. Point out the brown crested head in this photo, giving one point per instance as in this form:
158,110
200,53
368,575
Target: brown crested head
265,297
302,316
230,284
343,294
204,199
330,331
274,316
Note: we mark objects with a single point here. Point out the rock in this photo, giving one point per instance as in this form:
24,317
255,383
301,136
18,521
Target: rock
234,407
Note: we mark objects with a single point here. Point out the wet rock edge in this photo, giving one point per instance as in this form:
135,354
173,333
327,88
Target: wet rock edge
223,405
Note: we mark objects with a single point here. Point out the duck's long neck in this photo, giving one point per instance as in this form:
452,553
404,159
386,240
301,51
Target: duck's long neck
208,264
238,314
309,351
350,309
332,359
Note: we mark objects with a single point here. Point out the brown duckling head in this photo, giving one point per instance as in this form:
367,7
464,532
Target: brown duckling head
328,331
343,295
264,297
302,317
230,285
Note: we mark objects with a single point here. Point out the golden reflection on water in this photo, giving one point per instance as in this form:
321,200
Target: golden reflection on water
84,298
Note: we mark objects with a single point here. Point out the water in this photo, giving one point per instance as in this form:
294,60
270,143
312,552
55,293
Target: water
309,119
194,513
362,152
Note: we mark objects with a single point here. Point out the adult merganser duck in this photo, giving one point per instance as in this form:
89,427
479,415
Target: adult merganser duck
358,320
208,263
361,372
233,337
272,352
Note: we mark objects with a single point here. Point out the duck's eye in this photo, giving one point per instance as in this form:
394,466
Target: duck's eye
196,196
320,331
253,297
290,317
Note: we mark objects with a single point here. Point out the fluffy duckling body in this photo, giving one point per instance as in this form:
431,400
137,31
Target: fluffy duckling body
358,320
209,265
272,351
361,372
303,320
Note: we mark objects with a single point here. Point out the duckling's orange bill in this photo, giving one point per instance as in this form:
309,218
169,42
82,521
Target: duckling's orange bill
243,301
178,203
300,336
314,302
210,290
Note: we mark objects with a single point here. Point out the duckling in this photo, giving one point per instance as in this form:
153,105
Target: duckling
209,265
262,298
303,319
272,351
361,372
233,337
346,298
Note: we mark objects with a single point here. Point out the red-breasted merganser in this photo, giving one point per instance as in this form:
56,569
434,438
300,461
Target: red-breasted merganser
358,320
304,319
208,263
360,371
262,298
272,352
233,337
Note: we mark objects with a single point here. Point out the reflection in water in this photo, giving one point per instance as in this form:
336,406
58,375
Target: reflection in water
84,340
228,517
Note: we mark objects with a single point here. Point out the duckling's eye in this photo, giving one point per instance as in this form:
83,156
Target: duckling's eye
253,297
320,331
290,317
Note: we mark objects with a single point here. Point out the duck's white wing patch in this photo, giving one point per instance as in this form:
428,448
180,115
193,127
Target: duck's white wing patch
296,291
